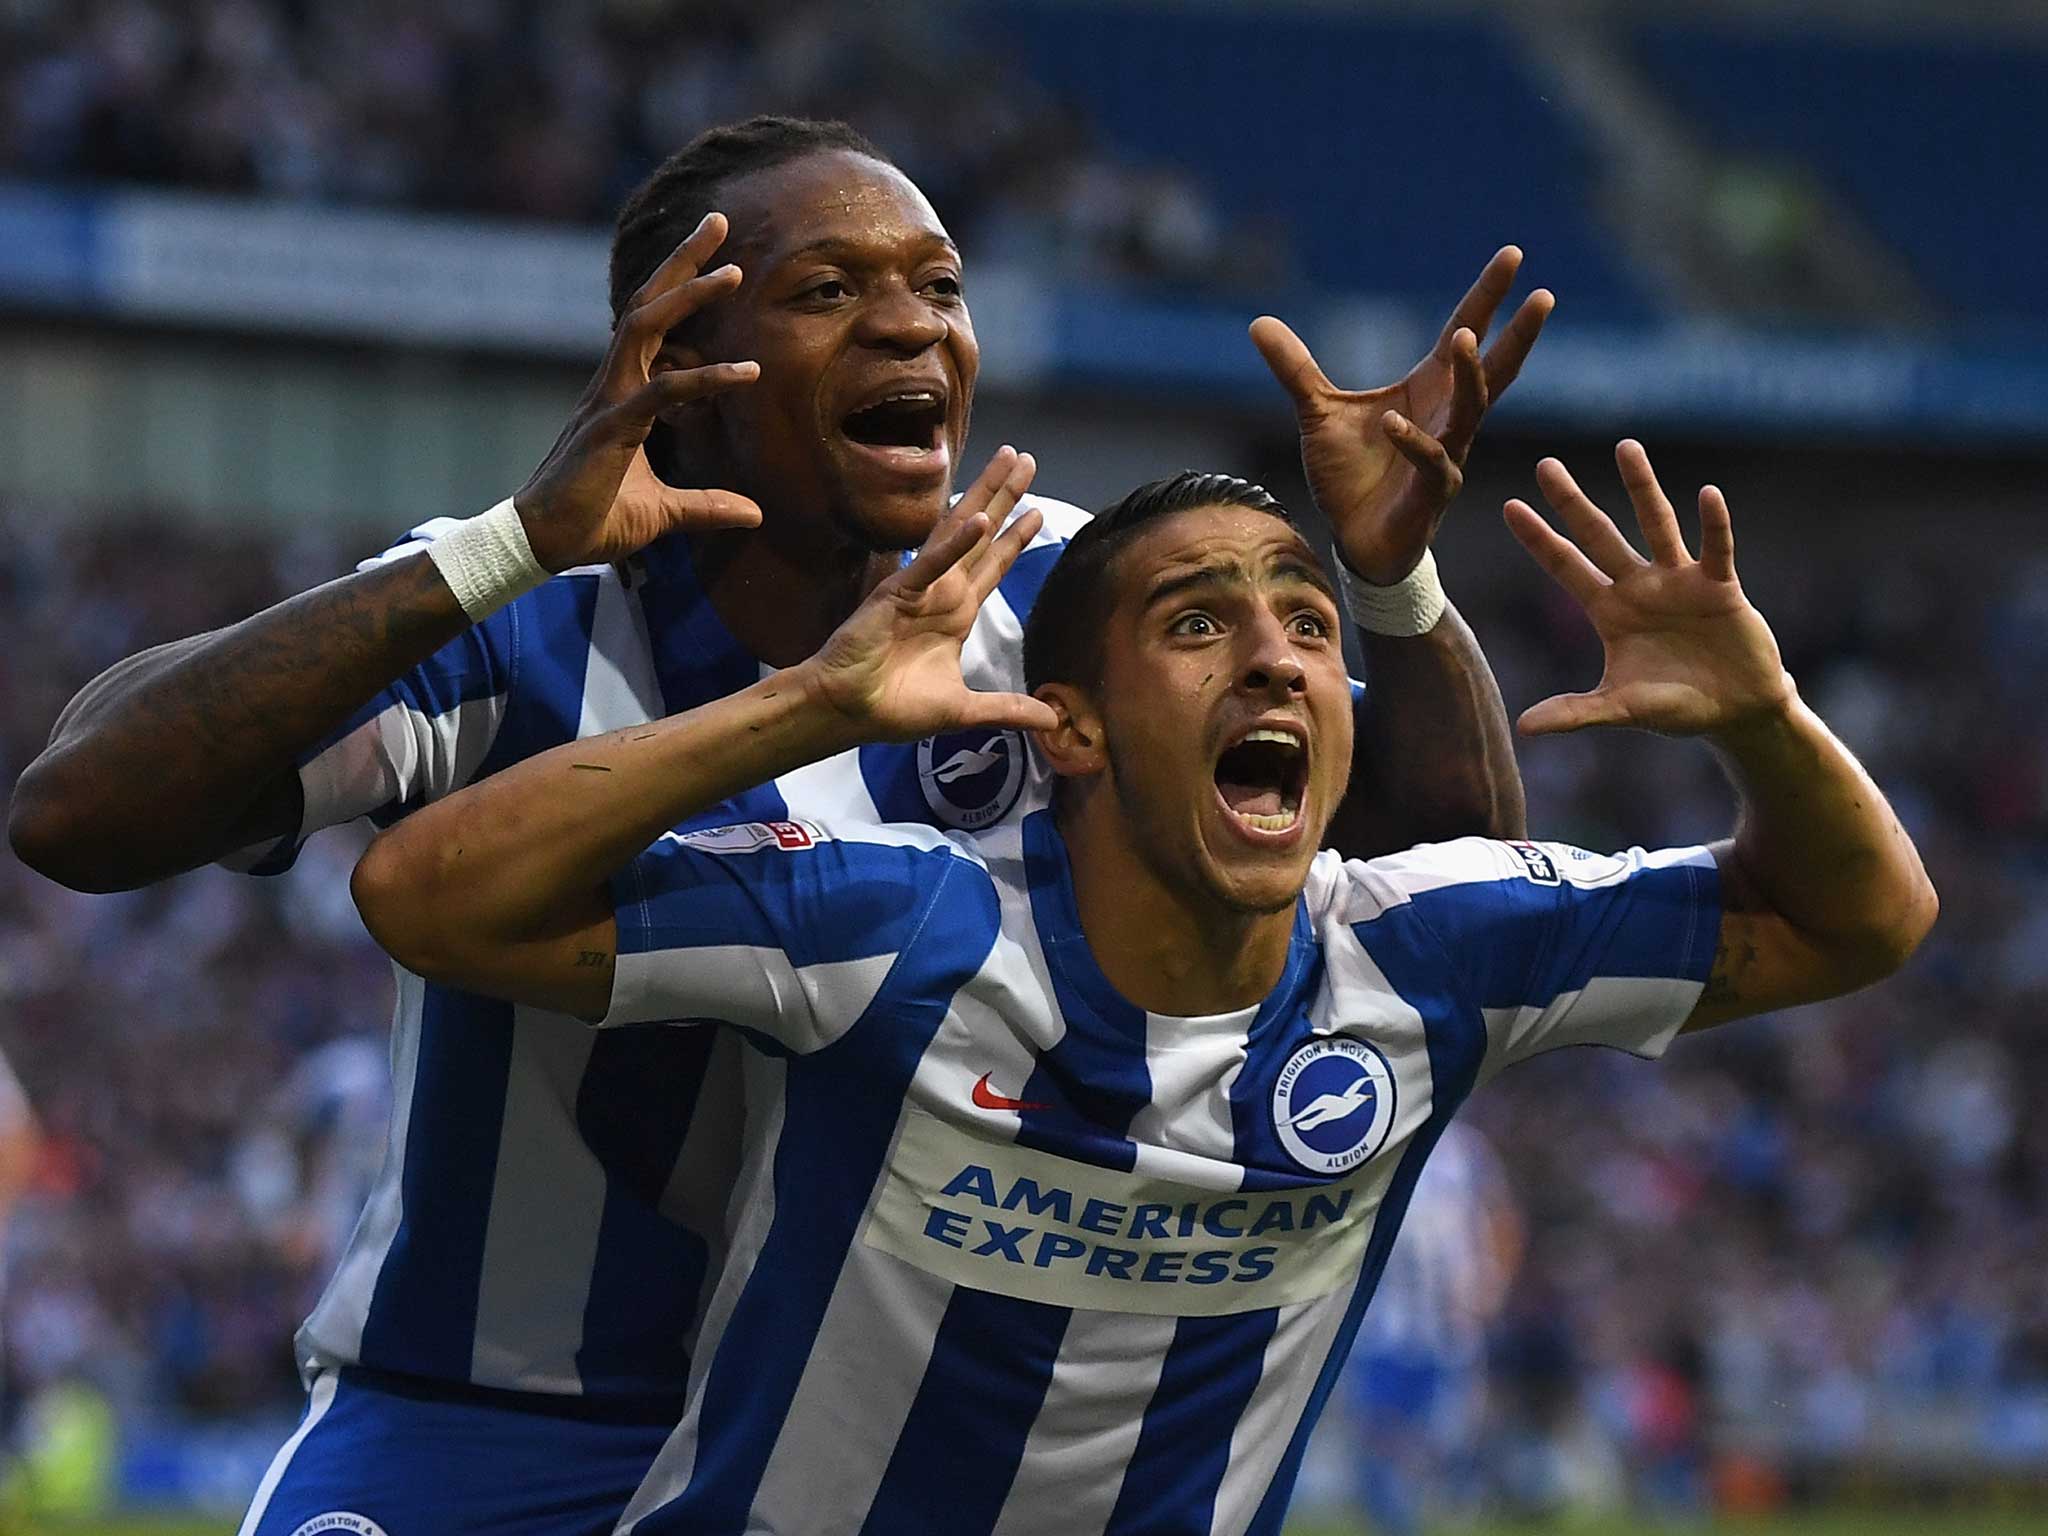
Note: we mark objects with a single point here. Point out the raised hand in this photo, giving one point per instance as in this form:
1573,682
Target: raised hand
595,497
1384,463
1686,654
893,668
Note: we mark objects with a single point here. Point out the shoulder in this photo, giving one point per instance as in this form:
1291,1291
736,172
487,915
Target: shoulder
1352,891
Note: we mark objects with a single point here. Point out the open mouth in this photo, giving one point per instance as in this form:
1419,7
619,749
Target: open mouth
1261,779
911,421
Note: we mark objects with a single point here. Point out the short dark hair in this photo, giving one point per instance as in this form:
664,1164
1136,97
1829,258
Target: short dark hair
1063,637
665,207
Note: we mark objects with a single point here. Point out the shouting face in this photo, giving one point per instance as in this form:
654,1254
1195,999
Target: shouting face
853,306
1223,709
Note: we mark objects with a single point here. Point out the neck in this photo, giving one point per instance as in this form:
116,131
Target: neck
1165,947
781,604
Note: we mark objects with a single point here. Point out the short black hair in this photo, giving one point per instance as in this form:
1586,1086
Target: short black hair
1063,636
665,207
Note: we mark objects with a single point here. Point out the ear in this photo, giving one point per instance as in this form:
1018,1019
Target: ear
676,354
1074,748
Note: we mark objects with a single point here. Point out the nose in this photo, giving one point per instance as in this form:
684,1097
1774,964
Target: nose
899,320
1273,666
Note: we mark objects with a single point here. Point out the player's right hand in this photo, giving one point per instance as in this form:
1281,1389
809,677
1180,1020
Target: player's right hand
892,670
595,497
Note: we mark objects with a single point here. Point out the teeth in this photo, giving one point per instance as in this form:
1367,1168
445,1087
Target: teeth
1281,737
1278,823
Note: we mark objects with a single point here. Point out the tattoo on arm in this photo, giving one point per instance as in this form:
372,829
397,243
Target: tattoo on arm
592,957
196,733
1734,957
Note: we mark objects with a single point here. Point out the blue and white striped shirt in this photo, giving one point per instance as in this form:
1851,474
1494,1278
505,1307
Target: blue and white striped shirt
1010,1255
547,1218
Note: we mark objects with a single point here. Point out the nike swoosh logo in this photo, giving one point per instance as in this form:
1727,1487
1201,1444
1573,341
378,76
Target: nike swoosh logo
984,1098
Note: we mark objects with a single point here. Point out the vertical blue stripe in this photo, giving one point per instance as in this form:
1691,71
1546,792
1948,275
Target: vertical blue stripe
634,1107
1281,1027
840,1109
1096,1077
963,1438
422,1314
1211,1370
696,661
1419,970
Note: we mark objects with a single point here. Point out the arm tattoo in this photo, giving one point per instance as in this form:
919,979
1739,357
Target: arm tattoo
1734,957
154,766
592,957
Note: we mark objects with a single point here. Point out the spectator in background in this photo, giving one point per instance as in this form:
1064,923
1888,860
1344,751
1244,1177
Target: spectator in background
1417,1376
556,111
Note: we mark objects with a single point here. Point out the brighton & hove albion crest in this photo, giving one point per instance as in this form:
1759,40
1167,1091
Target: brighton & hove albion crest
971,778
340,1522
1333,1104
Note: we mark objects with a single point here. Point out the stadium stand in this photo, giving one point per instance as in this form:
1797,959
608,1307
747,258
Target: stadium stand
1923,137
1312,120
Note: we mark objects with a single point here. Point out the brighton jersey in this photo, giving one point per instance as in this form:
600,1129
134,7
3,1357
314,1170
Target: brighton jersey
548,1208
1011,1255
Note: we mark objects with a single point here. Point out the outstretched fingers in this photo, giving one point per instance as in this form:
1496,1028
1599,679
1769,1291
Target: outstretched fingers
1017,711
950,543
1566,564
1570,712
684,262
1431,459
1469,395
1592,530
709,509
644,328
1475,311
1717,535
1003,552
1512,346
1291,361
1654,512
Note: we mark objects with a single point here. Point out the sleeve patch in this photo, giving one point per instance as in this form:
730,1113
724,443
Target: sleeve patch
754,836
1536,864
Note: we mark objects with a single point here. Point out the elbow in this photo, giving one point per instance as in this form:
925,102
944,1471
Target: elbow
51,832
1916,919
397,903
1884,950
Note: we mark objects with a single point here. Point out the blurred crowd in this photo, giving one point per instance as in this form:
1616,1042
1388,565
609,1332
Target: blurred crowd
555,109
1794,1242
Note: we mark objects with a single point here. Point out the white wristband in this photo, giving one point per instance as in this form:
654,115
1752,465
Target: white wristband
486,561
1411,606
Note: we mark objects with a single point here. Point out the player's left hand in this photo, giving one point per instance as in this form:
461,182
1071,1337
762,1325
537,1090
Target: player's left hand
1384,463
1686,653
892,669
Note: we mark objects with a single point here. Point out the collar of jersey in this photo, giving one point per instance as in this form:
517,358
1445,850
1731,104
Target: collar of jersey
1057,916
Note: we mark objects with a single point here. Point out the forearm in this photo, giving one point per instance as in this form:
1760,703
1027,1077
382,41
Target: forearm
156,765
1820,846
1435,758
507,858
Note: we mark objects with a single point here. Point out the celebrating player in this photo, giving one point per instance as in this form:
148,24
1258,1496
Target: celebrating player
1076,1148
506,1342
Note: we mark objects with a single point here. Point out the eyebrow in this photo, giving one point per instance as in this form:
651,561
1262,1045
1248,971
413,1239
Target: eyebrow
1230,573
853,252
